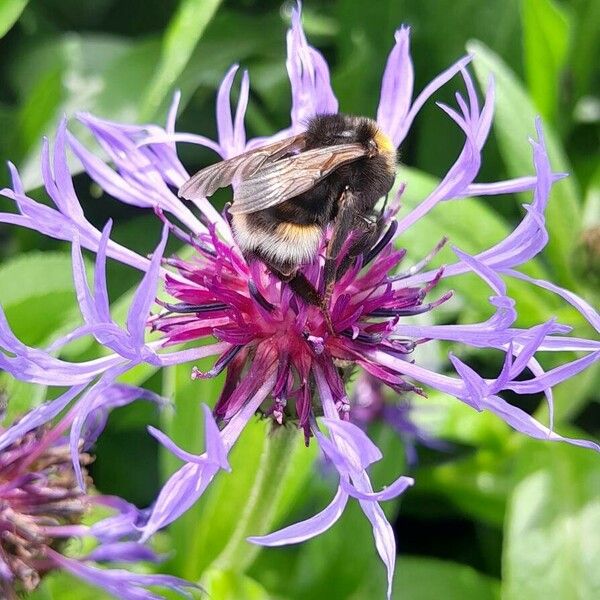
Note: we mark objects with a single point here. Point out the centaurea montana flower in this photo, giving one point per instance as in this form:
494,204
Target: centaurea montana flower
42,508
280,356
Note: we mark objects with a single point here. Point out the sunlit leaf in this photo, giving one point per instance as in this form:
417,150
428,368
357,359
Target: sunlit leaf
419,578
545,42
74,73
571,395
551,549
33,287
10,11
180,39
20,396
39,110
212,56
37,296
62,586
231,585
269,469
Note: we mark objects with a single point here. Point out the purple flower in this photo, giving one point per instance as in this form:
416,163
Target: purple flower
42,505
368,404
280,355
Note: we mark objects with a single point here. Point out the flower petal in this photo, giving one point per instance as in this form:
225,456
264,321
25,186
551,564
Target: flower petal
300,532
187,484
399,486
397,84
358,441
122,552
462,173
518,419
38,416
122,583
309,77
139,310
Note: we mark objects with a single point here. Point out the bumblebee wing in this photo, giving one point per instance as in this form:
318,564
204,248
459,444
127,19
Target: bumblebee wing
279,181
207,181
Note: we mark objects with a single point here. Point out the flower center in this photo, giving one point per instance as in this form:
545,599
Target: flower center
38,497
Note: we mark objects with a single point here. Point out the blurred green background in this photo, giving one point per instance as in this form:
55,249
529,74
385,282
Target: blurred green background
497,515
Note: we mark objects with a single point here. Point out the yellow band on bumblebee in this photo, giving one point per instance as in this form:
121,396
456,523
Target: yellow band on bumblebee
384,143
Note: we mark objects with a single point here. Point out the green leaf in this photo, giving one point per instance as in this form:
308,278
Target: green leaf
335,564
514,123
10,11
213,56
372,25
478,485
450,419
181,36
20,396
231,585
419,578
349,83
586,43
37,295
185,425
109,75
97,73
123,80
38,111
552,549
546,42
571,395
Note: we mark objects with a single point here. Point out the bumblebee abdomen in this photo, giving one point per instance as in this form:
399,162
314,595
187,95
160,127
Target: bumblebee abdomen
282,244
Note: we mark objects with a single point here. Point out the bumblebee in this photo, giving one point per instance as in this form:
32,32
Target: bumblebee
287,193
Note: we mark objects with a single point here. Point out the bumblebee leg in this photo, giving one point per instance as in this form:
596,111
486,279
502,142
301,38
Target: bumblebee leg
299,284
342,227
368,229
302,287
371,239
305,289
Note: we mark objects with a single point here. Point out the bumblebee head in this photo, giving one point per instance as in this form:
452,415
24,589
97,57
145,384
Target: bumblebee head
335,129
331,130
